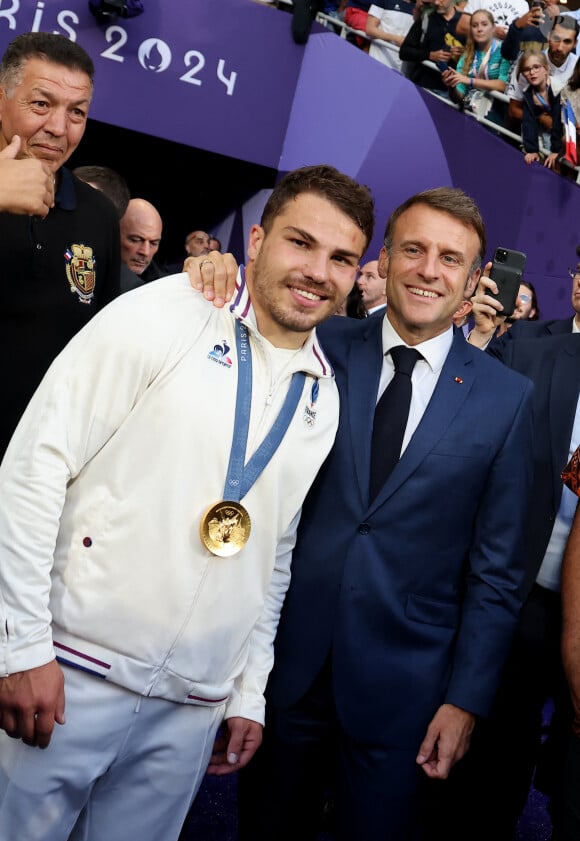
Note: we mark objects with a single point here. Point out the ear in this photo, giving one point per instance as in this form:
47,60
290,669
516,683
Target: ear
464,309
255,241
472,282
383,262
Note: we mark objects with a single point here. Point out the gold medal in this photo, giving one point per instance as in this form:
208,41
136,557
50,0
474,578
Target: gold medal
225,528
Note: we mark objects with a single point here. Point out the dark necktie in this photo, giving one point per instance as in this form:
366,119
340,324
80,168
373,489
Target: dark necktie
391,416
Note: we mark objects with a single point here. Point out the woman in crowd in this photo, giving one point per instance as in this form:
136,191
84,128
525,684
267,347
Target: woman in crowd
480,69
540,99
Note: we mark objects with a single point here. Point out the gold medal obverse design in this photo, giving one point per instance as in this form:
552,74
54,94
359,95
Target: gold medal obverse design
225,528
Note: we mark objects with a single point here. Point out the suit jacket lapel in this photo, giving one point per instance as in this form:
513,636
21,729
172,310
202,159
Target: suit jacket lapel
364,371
452,389
561,326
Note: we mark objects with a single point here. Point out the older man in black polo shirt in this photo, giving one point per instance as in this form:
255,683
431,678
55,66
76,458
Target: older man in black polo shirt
60,269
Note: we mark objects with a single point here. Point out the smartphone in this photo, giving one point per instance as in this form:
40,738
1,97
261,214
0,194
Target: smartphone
507,270
538,4
442,65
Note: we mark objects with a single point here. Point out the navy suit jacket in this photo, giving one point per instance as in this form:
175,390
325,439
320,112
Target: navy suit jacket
553,365
416,594
532,330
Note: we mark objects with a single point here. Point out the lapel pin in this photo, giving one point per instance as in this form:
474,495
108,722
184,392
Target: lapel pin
458,380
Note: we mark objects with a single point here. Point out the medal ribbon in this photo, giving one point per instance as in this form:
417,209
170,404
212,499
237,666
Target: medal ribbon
240,476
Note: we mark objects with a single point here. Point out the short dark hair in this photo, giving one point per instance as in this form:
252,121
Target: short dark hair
46,45
109,182
567,22
355,307
352,198
452,201
529,285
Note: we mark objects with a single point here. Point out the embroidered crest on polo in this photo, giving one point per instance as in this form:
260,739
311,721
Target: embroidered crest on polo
81,271
309,416
219,354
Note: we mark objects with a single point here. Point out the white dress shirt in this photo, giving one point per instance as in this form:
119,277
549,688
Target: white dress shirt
425,373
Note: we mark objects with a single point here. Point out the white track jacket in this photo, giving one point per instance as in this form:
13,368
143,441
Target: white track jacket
121,450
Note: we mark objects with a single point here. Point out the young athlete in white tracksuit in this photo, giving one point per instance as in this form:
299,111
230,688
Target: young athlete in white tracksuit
102,491
149,501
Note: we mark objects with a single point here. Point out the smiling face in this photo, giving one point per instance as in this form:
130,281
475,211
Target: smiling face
429,271
48,108
301,270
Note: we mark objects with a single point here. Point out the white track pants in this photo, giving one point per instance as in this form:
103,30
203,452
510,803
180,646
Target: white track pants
122,767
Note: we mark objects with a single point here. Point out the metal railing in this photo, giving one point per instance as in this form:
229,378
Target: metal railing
344,31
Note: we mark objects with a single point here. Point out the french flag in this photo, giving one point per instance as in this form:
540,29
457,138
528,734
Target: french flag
569,122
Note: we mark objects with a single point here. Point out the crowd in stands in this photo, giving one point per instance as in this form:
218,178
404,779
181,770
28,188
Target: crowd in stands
481,67
474,54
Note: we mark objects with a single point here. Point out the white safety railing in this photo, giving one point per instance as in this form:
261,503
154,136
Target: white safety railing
344,31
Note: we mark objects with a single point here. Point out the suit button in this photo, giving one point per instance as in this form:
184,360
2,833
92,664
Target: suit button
364,528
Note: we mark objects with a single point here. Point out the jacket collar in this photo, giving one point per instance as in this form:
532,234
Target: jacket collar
311,359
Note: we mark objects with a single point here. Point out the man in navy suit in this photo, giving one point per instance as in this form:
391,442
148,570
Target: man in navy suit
507,747
401,609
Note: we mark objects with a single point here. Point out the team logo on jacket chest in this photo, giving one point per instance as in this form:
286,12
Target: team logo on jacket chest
80,271
220,354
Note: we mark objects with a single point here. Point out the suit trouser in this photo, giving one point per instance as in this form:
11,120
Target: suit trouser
305,756
122,767
487,791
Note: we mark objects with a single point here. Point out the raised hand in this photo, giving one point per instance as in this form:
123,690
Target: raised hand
26,184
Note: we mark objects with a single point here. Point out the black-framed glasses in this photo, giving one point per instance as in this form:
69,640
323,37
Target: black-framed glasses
574,273
525,299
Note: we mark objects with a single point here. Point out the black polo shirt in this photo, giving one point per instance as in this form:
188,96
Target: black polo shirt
55,274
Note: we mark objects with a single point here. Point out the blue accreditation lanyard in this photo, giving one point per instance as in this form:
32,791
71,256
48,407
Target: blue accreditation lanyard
240,477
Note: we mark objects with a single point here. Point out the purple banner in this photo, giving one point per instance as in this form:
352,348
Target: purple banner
225,76
216,74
